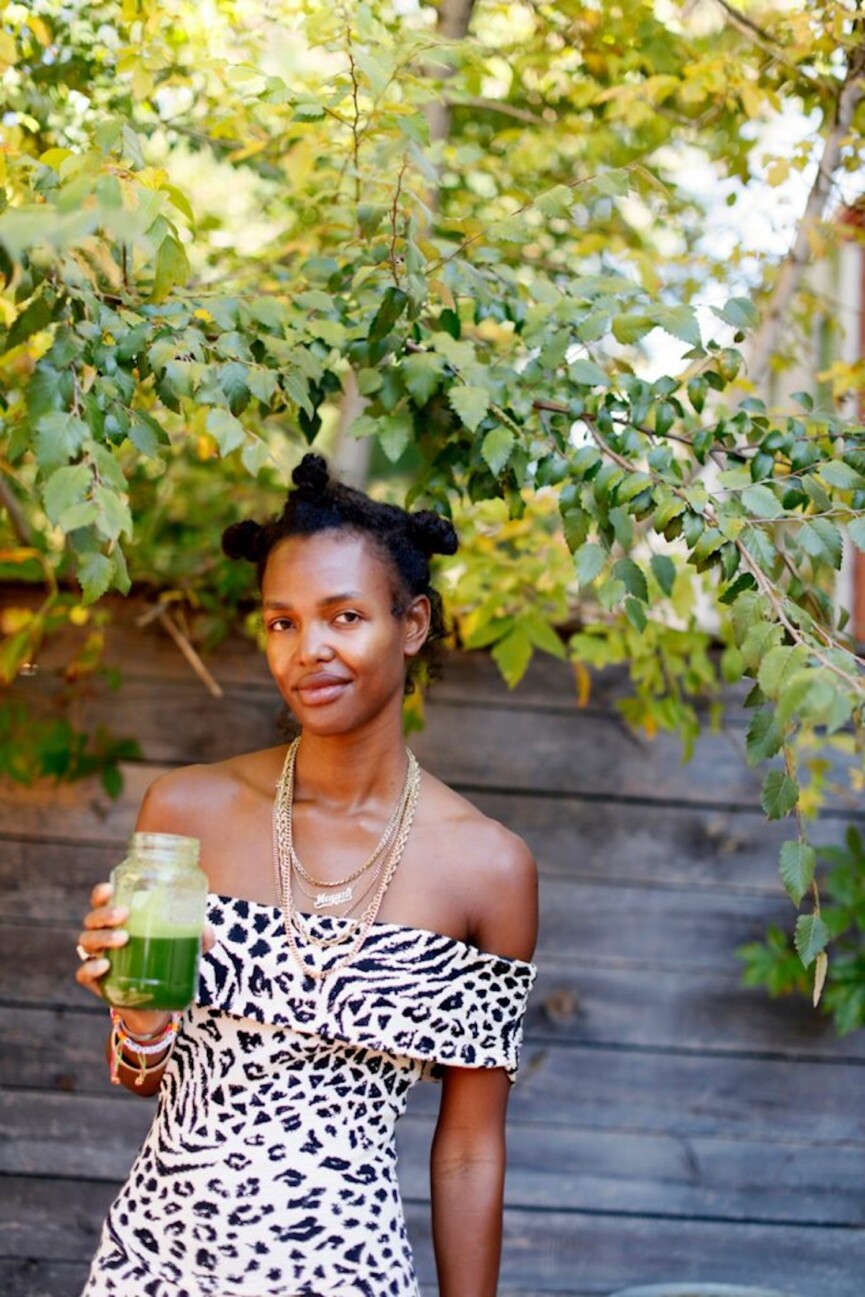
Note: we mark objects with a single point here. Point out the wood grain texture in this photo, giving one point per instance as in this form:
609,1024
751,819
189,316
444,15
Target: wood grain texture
549,1166
668,1124
544,1251
716,849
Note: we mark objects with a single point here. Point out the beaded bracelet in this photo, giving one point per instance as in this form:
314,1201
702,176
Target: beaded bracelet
160,1043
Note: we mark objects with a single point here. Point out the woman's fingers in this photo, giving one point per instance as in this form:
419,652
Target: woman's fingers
101,932
101,895
208,938
90,973
106,916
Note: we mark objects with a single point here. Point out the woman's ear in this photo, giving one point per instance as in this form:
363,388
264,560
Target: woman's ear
416,625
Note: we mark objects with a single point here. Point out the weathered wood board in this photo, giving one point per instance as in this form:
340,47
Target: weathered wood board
669,1124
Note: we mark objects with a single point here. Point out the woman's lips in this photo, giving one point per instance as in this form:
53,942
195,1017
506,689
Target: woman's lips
316,693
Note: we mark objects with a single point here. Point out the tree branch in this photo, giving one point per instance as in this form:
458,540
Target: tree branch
765,340
19,523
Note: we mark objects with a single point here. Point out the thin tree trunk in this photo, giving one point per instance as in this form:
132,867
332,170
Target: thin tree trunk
765,341
453,25
351,455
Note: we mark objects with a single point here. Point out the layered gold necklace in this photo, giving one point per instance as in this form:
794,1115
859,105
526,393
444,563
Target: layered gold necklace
380,867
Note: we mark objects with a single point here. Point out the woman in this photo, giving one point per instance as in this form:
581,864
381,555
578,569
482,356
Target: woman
367,927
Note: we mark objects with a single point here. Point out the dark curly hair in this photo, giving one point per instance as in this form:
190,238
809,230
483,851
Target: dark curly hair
405,541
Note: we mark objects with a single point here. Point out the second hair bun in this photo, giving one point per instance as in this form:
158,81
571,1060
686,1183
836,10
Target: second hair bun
432,533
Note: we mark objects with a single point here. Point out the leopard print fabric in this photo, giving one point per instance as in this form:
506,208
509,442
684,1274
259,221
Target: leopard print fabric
270,1167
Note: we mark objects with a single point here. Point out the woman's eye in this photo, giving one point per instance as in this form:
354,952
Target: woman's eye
347,618
279,623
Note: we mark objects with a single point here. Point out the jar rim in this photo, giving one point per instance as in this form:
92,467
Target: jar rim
176,846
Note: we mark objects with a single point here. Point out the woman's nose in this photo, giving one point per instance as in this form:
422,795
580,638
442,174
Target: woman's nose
313,645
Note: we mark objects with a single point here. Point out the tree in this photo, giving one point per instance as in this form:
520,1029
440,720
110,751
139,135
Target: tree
488,285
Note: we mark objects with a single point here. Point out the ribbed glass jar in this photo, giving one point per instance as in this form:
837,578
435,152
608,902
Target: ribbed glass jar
166,895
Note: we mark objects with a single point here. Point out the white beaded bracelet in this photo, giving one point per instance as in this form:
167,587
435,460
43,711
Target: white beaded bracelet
160,1043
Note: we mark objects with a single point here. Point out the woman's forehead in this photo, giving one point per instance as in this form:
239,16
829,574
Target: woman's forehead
348,557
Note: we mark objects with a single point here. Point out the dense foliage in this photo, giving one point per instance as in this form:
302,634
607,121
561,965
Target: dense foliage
229,230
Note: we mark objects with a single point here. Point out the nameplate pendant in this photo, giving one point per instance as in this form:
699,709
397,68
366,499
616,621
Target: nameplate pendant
325,899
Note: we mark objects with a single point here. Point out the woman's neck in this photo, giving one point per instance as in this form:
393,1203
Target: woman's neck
347,771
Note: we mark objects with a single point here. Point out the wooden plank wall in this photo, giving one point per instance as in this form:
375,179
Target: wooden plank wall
668,1124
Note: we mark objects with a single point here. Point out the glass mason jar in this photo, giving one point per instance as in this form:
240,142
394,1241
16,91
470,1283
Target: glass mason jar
166,894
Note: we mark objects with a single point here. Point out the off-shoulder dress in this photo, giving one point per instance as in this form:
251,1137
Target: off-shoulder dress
270,1166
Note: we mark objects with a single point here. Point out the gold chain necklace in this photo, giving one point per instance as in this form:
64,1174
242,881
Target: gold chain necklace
283,853
331,892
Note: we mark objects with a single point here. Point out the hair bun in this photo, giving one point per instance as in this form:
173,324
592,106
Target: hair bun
432,533
243,540
311,477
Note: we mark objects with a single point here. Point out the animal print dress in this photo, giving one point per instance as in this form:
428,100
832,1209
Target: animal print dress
270,1167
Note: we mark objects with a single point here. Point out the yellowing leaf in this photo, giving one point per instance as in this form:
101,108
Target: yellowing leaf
8,51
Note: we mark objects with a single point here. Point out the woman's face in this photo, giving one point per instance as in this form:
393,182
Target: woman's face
334,646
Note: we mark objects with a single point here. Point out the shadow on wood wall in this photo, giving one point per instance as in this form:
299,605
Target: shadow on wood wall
668,1124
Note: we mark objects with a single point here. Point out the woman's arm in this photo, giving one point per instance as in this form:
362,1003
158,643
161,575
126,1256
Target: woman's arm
103,931
467,1180
467,1167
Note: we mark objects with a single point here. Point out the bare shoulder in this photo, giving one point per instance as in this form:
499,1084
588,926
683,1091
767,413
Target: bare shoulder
195,799
500,873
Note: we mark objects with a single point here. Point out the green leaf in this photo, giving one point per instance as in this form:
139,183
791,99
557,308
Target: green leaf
422,375
575,524
740,312
856,531
232,378
635,613
471,404
59,436
313,299
172,267
630,327
780,794
664,572
633,485
764,737
841,475
254,456
308,111
497,447
697,388
95,573
370,217
762,502
395,432
811,937
587,374
557,201
37,315
542,634
798,862
590,562
778,666
65,488
296,386
833,545
393,304
512,654
262,384
681,322
758,640
146,434
114,517
226,431
632,577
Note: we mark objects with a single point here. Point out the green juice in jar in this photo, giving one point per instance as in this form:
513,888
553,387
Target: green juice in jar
153,972
166,895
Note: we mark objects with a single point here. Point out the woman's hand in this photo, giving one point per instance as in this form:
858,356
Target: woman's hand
103,931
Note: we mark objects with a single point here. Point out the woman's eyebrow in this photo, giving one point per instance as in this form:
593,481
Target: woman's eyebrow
347,595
